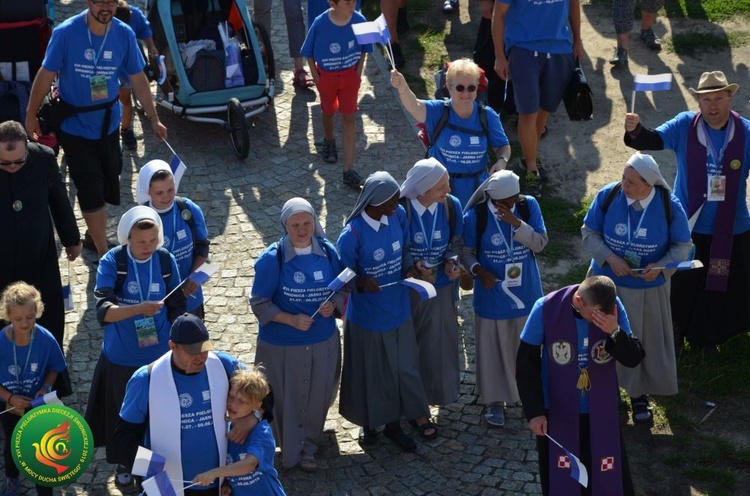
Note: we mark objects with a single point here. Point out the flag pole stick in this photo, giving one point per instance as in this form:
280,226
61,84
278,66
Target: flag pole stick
632,103
553,440
175,289
390,284
389,51
170,147
326,301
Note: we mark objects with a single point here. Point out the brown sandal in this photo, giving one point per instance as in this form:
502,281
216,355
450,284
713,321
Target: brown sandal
302,79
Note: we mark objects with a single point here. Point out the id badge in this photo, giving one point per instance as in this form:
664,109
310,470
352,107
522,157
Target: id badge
145,329
633,260
514,274
98,86
717,188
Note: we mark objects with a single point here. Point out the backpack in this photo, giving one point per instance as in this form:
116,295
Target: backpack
280,256
121,258
186,214
523,211
450,211
431,140
664,198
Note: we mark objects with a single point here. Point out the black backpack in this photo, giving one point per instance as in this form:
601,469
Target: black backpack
121,258
664,198
443,122
523,211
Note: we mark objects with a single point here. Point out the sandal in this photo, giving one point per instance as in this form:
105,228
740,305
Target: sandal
302,79
308,464
641,410
422,429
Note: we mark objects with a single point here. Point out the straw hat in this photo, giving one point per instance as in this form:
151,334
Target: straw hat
714,81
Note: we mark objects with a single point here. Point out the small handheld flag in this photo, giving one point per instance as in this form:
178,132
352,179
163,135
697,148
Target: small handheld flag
577,469
687,265
159,485
653,82
177,166
383,28
68,298
203,273
430,265
367,33
48,399
147,463
423,288
337,284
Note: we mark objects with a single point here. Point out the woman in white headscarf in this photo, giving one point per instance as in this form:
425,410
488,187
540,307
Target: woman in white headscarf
298,341
503,231
436,229
380,378
632,227
132,281
185,231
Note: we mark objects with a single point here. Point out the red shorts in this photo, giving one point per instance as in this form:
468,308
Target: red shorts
339,90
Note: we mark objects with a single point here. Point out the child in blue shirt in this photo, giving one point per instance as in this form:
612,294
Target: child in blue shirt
336,61
249,468
32,359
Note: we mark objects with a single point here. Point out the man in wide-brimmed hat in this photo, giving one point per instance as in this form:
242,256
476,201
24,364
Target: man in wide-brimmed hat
712,304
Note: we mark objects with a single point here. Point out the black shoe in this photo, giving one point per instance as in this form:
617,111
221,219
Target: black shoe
402,22
398,56
367,436
395,434
328,150
353,179
543,175
88,243
533,184
649,38
620,58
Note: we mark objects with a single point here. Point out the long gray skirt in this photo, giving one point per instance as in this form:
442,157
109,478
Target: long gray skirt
497,343
436,330
305,380
380,378
650,316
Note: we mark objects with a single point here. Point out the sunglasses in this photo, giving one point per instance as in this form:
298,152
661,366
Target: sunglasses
461,88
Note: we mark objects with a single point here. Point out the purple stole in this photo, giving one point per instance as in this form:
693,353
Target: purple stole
723,233
561,346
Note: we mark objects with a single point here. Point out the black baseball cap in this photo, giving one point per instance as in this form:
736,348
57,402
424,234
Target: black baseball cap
191,334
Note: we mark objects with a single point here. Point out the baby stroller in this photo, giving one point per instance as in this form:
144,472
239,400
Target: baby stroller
216,61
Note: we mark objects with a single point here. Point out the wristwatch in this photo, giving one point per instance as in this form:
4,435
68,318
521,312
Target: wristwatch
258,415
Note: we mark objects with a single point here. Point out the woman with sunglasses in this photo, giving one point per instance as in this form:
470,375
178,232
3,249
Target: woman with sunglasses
463,142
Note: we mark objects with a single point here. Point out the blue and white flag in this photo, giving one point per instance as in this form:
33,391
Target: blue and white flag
687,265
178,168
147,463
48,399
423,288
577,469
68,302
203,273
340,281
385,34
367,33
653,82
159,485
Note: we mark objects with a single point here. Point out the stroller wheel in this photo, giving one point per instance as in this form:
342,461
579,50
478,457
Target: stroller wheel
238,131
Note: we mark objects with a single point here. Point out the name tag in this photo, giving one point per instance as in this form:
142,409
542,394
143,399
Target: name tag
155,287
641,233
474,140
181,234
396,245
437,235
351,44
318,275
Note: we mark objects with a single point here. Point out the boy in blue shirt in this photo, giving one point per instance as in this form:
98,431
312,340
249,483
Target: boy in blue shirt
336,60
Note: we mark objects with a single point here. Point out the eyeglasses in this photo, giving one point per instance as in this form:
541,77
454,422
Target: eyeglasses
461,88
11,163
713,101
102,3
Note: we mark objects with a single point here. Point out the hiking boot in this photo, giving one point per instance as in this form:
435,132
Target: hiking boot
398,56
620,58
128,139
541,170
122,477
649,38
533,184
328,150
10,487
353,179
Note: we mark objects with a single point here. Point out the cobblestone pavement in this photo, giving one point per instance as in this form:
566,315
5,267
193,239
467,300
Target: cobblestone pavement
242,202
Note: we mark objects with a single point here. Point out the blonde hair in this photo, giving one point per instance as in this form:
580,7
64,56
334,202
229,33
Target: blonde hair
20,294
251,383
462,66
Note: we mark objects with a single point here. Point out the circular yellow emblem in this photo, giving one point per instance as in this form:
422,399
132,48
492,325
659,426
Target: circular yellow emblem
735,164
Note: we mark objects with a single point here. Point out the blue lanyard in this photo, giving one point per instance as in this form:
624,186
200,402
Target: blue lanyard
15,357
710,149
91,43
631,234
508,247
428,239
150,277
172,240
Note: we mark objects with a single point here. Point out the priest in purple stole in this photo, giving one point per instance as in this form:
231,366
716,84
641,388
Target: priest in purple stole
565,370
712,304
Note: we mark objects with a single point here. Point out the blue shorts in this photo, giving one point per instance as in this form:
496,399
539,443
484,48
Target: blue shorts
539,79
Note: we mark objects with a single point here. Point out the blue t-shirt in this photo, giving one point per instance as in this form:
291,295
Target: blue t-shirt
464,152
333,47
128,341
77,55
139,24
264,480
497,250
300,288
197,425
537,25
644,234
533,334
674,133
44,356
379,255
430,236
178,240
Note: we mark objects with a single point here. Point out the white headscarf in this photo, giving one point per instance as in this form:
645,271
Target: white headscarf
144,179
499,186
298,205
422,177
647,167
129,219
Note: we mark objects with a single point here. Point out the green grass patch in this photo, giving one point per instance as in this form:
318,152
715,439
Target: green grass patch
713,10
563,220
724,373
691,44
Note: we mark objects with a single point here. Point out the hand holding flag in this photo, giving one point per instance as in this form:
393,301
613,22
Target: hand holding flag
199,276
337,284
